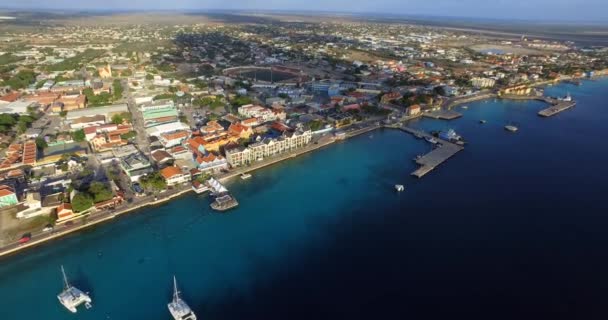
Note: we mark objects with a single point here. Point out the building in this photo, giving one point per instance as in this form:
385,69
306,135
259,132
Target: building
106,111
65,212
135,165
483,82
240,131
413,110
175,175
267,147
518,90
19,106
7,196
251,111
391,96
158,112
157,131
171,139
211,163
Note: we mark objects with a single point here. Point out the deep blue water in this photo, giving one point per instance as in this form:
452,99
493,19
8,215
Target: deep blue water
513,227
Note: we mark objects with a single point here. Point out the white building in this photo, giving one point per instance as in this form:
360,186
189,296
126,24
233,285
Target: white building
483,82
267,148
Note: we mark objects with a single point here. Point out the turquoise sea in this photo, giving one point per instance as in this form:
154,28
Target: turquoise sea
513,227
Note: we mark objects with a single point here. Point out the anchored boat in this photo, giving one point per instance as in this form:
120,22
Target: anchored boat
511,128
71,297
178,307
399,187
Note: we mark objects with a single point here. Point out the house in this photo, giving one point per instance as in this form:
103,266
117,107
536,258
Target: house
171,139
7,196
211,163
391,96
174,175
64,212
240,131
413,110
161,157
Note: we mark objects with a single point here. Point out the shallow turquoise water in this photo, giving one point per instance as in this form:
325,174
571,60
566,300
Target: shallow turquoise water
515,221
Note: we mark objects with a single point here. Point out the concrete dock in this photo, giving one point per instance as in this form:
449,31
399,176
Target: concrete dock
556,107
443,114
431,160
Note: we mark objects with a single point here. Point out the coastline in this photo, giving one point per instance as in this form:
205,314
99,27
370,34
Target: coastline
15,248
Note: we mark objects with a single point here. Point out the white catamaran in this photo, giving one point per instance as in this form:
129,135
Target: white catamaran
71,297
178,307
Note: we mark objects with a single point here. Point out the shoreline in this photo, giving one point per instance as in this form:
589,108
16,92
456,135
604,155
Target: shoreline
15,248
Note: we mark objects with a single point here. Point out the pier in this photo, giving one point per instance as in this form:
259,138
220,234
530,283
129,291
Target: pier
556,107
439,155
443,114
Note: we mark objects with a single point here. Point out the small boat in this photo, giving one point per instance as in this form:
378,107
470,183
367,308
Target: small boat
482,121
178,307
71,297
511,128
399,187
566,98
245,176
431,140
450,135
465,107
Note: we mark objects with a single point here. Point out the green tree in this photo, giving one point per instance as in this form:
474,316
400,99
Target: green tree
82,201
100,192
117,119
153,182
117,89
41,143
149,77
79,135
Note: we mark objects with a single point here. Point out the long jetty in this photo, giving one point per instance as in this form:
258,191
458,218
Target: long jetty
433,159
556,106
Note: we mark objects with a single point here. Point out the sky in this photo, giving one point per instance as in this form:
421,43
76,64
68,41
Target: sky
573,10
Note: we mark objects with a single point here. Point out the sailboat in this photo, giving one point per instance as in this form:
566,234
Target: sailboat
71,297
178,307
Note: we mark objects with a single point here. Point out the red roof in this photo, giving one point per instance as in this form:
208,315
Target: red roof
11,97
170,172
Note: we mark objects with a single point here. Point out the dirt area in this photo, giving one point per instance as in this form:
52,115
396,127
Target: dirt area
366,57
506,49
12,228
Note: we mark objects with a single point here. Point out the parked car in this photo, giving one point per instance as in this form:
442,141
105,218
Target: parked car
25,238
137,188
48,228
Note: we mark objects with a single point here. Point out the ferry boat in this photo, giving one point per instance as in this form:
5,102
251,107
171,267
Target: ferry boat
450,135
178,307
71,297
245,176
511,128
399,187
224,202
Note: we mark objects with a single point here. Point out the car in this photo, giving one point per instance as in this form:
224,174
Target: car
137,188
48,228
25,238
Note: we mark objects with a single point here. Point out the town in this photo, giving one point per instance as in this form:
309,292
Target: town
100,119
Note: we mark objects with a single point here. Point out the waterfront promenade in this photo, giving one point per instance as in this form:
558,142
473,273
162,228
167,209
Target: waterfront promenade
101,216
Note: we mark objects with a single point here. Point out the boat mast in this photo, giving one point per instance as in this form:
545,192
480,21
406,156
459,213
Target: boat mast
175,292
66,284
